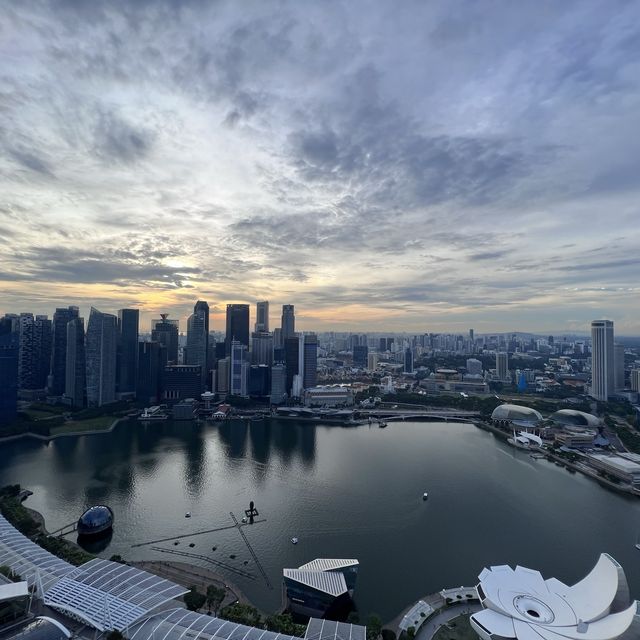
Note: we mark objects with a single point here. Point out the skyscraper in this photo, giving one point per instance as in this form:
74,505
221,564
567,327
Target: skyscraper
165,332
262,316
198,338
310,360
291,357
58,375
150,368
602,360
288,322
75,379
618,363
34,356
278,383
100,355
9,341
237,325
128,321
262,348
408,360
502,365
239,369
360,356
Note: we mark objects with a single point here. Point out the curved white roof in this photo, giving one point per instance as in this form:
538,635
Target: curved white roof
520,603
576,418
515,412
179,624
109,595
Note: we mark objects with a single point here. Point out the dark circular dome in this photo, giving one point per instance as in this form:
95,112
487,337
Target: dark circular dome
95,519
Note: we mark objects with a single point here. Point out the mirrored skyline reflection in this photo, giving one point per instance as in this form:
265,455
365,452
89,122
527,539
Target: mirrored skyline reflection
381,166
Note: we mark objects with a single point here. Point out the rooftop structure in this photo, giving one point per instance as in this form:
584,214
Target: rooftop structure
329,630
177,624
109,595
40,628
516,413
575,418
518,603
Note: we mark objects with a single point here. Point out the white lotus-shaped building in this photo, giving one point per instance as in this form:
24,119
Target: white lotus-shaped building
519,603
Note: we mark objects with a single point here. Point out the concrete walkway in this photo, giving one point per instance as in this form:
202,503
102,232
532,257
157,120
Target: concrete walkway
429,627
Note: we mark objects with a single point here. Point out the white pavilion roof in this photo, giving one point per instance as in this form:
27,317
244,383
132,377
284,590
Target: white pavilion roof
328,564
519,603
110,595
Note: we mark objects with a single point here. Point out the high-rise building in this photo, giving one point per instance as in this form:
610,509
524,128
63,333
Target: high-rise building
310,360
288,321
262,316
277,338
360,356
58,371
408,360
34,355
372,361
100,355
618,363
602,360
75,379
262,348
128,323
259,383
9,344
223,375
198,338
291,358
165,332
635,379
471,335
278,383
237,325
502,365
151,362
474,367
238,385
182,381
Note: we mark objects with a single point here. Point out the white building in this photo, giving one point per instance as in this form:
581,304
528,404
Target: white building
502,365
602,360
328,396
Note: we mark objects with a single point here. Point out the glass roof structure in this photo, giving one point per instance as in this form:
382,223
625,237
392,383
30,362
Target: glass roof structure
180,624
42,628
318,629
30,561
110,595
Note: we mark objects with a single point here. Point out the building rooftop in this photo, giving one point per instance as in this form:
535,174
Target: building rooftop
328,564
318,629
330,582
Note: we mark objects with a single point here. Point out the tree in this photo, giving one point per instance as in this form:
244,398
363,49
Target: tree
194,600
374,626
411,632
115,635
117,558
388,634
241,614
353,617
215,596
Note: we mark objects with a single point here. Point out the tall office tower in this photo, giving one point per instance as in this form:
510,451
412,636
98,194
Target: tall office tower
502,365
34,353
474,367
239,369
100,355
165,332
382,345
237,325
277,338
75,379
198,338
223,374
408,360
278,383
291,359
288,322
259,381
471,336
262,316
310,361
58,375
360,356
602,363
150,365
262,348
372,361
128,323
182,381
9,345
635,379
618,363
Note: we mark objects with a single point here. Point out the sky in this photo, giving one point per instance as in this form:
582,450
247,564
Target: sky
384,166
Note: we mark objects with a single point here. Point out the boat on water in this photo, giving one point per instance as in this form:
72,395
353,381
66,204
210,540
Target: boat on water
382,424
257,417
153,413
294,540
525,440
188,514
425,496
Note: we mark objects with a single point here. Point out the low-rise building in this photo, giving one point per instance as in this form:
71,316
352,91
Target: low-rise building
328,396
623,466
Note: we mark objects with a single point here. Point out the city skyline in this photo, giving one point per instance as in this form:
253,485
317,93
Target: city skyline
383,168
